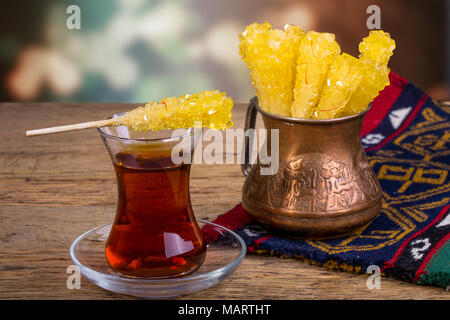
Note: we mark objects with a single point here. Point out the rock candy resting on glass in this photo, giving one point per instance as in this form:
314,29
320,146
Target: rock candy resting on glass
343,78
271,57
375,51
316,53
212,108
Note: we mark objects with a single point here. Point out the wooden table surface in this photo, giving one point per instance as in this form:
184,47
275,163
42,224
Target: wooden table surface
54,188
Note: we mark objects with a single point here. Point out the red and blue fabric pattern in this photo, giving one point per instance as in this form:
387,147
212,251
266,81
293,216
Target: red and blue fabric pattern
406,136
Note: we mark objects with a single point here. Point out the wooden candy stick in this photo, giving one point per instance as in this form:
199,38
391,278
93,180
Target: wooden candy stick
212,108
70,127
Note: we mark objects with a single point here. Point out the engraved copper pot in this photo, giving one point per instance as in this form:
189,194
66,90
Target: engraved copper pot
324,186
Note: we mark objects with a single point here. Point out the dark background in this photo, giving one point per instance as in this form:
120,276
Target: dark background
135,50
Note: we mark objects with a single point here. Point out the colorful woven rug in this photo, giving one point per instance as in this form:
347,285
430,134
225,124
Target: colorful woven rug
406,136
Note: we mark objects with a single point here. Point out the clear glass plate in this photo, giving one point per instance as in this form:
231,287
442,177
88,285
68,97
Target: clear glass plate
225,251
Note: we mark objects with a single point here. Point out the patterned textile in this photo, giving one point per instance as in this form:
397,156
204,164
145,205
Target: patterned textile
406,136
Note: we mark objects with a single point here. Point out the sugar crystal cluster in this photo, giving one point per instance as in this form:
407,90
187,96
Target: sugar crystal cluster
306,76
375,51
212,108
271,56
316,52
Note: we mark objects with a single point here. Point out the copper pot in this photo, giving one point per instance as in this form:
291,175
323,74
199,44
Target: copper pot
324,186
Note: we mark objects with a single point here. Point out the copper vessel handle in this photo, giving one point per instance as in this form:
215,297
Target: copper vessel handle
250,121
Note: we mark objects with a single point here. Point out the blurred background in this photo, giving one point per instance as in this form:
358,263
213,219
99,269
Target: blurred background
138,51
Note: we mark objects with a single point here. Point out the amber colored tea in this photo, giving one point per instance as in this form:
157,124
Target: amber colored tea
154,233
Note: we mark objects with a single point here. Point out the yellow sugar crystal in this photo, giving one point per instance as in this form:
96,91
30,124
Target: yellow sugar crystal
375,51
375,78
343,78
271,56
212,108
316,52
377,46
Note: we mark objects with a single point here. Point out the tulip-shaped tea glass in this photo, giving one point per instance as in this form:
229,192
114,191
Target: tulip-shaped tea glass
154,233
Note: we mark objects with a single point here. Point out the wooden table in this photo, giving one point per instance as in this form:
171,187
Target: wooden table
55,187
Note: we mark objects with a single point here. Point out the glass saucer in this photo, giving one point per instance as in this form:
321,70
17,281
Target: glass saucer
225,251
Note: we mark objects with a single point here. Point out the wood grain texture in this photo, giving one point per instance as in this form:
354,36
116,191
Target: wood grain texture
55,187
